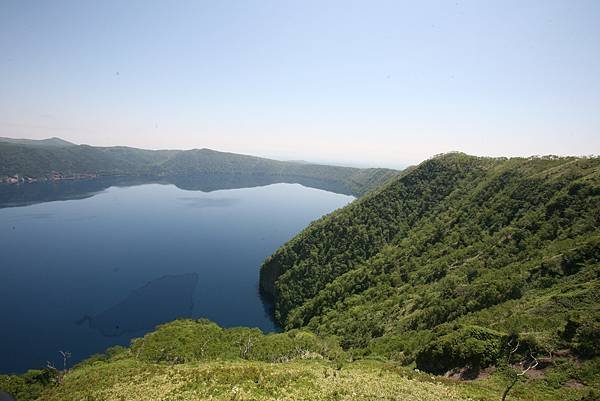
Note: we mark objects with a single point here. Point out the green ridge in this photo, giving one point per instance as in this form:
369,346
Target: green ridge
41,160
450,248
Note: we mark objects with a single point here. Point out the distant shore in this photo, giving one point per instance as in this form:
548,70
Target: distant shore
54,177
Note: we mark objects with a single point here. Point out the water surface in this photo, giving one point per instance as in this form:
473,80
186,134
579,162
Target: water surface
94,265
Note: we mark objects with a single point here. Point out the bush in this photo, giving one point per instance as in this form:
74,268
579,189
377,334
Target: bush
191,340
196,340
586,341
27,386
468,346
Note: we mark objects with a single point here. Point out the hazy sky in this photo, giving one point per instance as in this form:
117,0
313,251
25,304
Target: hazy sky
367,82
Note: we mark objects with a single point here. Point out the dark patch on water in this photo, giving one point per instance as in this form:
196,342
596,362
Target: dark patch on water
159,301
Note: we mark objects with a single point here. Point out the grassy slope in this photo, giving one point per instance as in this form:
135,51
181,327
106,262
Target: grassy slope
191,360
242,380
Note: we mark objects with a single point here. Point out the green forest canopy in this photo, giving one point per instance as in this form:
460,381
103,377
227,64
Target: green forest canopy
459,250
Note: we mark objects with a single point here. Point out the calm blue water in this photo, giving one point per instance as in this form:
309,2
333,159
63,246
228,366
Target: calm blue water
84,274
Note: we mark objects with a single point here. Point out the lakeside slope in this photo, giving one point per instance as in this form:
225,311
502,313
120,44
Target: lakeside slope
55,159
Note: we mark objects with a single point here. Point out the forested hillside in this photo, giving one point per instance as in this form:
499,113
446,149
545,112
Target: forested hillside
451,261
42,160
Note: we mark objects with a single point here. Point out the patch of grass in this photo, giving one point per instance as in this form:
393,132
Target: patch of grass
246,380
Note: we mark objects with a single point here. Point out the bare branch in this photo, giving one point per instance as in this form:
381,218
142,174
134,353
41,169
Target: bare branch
246,348
516,348
66,355
525,368
531,366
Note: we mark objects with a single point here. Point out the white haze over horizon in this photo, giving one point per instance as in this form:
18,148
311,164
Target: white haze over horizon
377,83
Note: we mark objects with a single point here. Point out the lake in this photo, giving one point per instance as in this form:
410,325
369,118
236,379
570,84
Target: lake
91,264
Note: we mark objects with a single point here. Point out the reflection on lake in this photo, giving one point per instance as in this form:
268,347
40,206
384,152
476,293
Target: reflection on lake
37,192
89,264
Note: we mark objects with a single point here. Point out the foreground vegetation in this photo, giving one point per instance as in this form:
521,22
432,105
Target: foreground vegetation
197,360
43,160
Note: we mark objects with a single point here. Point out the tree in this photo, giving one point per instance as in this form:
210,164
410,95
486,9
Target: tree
59,374
514,374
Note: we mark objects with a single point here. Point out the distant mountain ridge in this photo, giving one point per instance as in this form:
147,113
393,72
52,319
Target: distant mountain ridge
54,158
54,141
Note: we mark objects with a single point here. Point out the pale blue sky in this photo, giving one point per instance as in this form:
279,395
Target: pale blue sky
367,82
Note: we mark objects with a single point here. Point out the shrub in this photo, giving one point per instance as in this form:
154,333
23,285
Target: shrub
196,340
586,341
468,346
27,386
